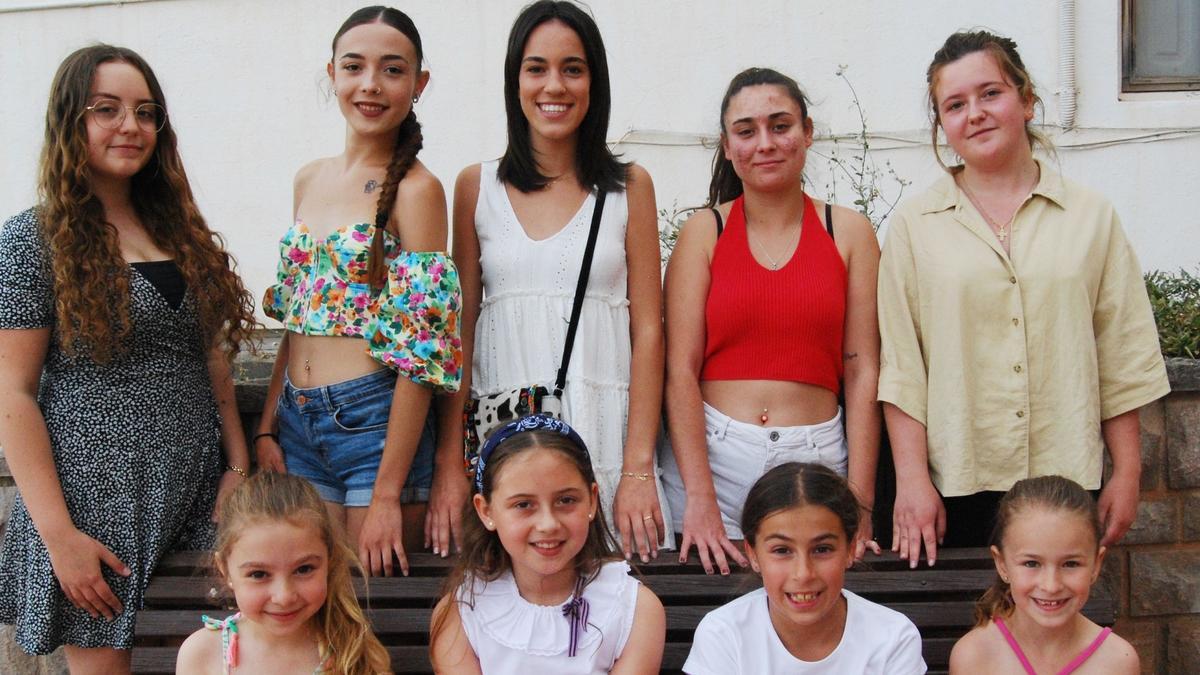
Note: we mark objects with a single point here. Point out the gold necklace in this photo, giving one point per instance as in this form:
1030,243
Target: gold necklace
1000,230
770,258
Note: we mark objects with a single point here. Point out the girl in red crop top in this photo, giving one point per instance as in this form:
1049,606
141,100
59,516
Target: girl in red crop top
768,317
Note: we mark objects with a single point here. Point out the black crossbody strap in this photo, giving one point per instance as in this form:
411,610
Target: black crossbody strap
580,290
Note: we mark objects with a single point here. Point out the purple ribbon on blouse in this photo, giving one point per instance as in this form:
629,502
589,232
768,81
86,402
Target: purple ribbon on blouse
576,611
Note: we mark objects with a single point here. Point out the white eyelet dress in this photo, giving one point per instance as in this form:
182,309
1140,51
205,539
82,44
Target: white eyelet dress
509,634
528,288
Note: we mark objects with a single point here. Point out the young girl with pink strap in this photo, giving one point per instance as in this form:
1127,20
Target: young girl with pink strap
1048,554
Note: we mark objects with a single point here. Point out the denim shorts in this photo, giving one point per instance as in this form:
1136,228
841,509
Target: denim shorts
740,453
333,436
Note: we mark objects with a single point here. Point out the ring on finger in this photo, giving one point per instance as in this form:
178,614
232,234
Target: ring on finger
647,517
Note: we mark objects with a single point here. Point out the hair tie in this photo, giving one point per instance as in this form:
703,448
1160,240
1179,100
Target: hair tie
535,422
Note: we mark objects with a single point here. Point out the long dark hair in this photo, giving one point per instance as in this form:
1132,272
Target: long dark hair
91,279
725,184
409,140
482,555
1052,493
795,484
595,165
1004,51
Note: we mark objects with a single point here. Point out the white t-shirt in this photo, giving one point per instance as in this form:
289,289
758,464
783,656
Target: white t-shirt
739,638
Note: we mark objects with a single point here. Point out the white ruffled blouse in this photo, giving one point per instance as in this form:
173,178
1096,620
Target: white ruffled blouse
512,635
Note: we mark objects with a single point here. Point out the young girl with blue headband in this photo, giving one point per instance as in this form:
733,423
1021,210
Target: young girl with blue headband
539,584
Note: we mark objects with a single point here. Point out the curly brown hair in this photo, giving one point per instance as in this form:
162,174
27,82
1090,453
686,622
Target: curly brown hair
91,279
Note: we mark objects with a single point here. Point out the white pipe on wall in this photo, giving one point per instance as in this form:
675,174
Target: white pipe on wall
1066,64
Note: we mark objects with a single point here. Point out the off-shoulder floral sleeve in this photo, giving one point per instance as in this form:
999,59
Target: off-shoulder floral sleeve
295,254
415,330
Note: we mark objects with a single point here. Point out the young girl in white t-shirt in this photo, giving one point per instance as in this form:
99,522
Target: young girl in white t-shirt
799,521
539,586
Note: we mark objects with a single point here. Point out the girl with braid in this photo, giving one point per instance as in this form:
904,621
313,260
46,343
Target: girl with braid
370,303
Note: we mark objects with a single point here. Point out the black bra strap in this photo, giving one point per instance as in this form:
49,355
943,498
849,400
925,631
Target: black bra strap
720,224
829,219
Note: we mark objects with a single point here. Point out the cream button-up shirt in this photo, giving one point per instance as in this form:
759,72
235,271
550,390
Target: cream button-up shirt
1012,361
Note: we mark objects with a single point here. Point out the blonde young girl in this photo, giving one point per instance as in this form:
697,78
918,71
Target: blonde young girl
800,520
119,313
288,568
539,586
370,303
1047,549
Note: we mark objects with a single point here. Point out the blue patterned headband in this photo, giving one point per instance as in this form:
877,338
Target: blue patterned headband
536,422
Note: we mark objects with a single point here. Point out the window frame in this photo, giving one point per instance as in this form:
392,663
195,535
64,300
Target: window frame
1131,83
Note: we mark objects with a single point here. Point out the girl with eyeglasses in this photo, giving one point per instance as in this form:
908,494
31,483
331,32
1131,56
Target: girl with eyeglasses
119,317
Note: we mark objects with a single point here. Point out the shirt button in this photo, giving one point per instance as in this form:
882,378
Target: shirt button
1016,321
1012,280
1020,413
1017,368
774,436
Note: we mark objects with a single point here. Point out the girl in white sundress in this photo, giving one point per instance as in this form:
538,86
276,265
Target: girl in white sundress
520,229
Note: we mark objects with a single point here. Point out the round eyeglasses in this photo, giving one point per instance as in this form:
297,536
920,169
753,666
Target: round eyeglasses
110,114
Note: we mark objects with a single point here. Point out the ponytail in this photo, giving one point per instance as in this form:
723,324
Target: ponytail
725,184
408,143
996,602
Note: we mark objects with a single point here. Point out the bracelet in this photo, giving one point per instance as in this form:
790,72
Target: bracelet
639,476
266,434
238,471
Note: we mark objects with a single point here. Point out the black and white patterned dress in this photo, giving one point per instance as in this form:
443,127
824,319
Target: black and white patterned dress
136,443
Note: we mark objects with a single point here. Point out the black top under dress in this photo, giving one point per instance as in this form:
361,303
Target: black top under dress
136,443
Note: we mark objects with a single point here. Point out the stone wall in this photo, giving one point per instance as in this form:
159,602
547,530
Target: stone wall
1155,573
1156,570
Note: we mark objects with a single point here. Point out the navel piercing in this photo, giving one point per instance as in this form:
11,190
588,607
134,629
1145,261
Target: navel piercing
763,417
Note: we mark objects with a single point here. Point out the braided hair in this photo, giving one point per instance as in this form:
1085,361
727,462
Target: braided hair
408,138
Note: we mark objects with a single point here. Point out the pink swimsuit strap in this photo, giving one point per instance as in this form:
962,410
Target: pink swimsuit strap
1069,668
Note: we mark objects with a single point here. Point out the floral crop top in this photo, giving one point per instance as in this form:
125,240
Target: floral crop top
411,325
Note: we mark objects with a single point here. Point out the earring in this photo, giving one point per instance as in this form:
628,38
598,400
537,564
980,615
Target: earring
491,525
416,98
591,515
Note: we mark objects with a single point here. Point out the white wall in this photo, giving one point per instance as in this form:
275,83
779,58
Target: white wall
246,87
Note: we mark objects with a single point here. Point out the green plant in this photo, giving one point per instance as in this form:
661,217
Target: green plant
1175,300
669,222
859,169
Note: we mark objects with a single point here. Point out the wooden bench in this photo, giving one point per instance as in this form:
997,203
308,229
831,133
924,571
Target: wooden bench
939,601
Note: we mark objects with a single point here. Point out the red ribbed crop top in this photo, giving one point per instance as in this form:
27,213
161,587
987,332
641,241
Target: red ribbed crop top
776,325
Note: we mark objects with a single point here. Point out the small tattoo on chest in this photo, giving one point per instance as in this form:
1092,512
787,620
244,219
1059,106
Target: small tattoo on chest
370,186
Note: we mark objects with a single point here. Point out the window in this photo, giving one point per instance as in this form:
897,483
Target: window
1160,45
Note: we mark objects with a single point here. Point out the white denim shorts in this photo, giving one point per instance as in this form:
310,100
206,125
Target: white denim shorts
740,453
